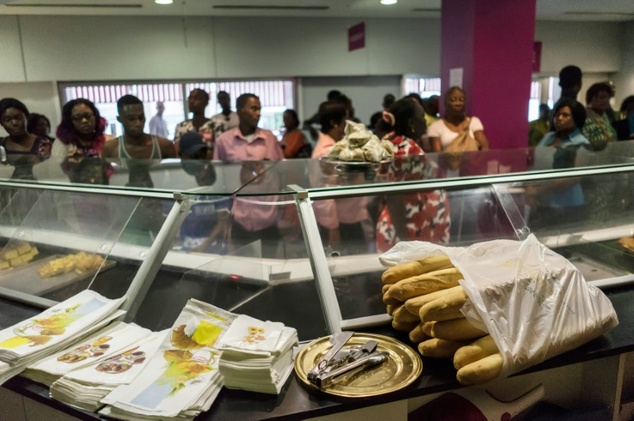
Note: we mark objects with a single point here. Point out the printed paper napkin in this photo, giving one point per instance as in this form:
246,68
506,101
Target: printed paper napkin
182,377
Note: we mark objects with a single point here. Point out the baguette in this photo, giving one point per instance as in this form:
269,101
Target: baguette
406,270
389,300
427,328
481,371
404,327
478,350
414,304
456,330
425,284
417,335
439,348
446,307
384,288
389,309
401,315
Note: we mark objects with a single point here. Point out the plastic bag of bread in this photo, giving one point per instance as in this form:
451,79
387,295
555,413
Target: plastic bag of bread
533,302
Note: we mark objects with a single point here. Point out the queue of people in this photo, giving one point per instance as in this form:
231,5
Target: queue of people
602,123
412,124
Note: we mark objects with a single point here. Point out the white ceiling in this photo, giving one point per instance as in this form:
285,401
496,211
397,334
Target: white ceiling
577,10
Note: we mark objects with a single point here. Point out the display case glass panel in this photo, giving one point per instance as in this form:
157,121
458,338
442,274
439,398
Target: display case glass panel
57,243
582,218
246,254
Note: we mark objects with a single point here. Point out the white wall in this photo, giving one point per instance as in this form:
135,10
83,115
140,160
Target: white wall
12,68
593,46
366,92
123,47
108,48
319,47
624,80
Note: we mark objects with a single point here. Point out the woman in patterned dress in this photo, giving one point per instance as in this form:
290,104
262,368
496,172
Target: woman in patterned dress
597,128
422,215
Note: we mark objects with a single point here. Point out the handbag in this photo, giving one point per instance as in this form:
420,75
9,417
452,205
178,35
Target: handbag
464,142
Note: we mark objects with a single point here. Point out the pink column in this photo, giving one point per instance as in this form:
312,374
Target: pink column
492,42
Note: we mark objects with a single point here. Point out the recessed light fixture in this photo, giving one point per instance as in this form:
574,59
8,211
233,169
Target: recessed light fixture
388,2
163,1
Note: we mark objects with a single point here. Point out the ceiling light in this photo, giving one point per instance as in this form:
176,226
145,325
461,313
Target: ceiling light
163,1
388,2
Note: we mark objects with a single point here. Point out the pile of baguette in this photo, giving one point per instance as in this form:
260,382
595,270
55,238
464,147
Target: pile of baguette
424,298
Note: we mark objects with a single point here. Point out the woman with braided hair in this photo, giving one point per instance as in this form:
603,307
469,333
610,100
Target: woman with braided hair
81,142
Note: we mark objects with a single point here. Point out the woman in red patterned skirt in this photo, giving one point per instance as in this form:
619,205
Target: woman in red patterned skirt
422,215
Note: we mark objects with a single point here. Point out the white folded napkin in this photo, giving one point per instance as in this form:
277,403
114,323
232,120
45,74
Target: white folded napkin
182,377
102,344
59,323
248,334
19,366
85,387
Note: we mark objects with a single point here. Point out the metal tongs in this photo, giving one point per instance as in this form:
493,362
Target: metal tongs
339,364
3,155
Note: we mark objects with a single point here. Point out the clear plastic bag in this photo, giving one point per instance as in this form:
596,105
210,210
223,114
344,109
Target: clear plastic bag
533,302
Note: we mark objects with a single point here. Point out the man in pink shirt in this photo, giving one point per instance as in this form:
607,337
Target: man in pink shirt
254,217
248,142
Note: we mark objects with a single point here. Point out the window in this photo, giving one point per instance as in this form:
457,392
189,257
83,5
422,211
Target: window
275,96
534,101
424,86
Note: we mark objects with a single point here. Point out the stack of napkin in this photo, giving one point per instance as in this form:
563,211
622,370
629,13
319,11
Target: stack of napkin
256,355
54,329
98,346
87,386
182,379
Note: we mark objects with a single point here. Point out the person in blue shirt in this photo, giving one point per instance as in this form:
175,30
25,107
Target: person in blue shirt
568,119
206,227
559,201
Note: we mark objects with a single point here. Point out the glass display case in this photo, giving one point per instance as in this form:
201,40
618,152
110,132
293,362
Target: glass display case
298,241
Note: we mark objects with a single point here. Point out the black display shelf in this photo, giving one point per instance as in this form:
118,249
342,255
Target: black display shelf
297,402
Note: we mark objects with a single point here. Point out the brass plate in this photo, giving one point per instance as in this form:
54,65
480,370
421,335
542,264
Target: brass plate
402,367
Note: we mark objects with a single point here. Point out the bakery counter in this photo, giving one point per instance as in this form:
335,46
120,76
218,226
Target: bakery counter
296,402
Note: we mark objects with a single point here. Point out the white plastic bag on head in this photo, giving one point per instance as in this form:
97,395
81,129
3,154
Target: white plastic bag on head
533,302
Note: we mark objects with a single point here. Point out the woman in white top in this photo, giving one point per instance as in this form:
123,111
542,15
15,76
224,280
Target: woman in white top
444,131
